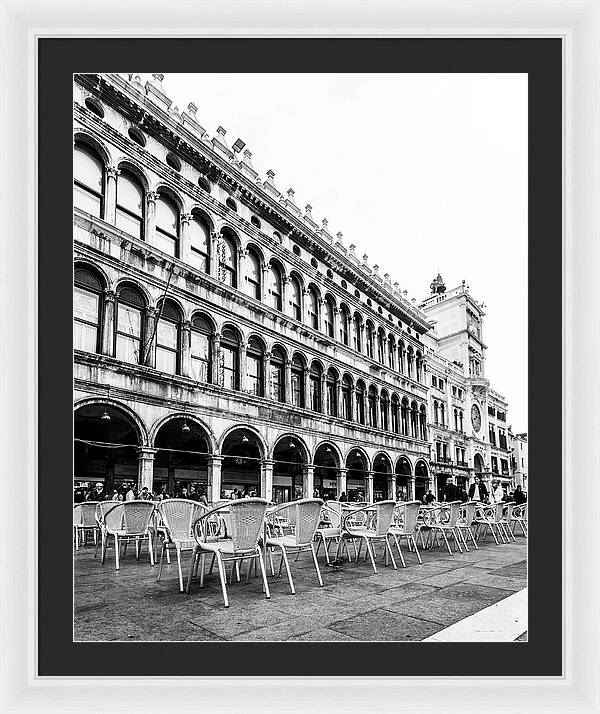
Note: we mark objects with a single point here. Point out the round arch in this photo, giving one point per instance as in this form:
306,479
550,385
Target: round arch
290,457
80,264
142,431
127,282
167,190
125,163
242,449
191,419
249,431
82,136
327,460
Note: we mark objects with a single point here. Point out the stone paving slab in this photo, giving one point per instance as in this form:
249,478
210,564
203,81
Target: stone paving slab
406,604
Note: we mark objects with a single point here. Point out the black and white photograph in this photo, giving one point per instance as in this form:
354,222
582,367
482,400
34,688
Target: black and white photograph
300,357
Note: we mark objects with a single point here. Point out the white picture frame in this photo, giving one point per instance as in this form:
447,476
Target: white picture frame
578,23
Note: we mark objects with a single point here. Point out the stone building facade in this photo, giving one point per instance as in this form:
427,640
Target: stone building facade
224,339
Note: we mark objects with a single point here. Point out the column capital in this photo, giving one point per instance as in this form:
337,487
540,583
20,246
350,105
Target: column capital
112,172
151,311
342,470
267,462
109,295
186,325
147,452
215,458
186,217
151,196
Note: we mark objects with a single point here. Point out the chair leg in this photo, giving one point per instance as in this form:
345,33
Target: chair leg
263,573
150,549
223,577
190,574
179,568
371,554
447,544
287,567
388,549
116,552
314,555
76,538
160,565
470,532
202,560
137,548
414,542
457,541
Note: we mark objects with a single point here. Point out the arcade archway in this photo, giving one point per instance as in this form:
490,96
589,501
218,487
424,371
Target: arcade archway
240,469
106,448
356,479
421,479
181,462
382,471
327,463
290,457
403,476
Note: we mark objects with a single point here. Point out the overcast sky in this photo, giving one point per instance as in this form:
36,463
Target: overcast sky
423,172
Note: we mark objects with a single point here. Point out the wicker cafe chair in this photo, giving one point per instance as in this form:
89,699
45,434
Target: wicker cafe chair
443,519
465,521
519,518
246,521
374,529
490,517
84,522
507,509
101,508
330,527
129,520
300,519
177,516
404,525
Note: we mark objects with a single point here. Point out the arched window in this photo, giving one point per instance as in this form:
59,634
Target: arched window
254,368
329,317
370,339
414,419
419,366
401,358
410,360
199,235
372,411
200,349
227,261
423,422
404,416
295,298
380,346
277,375
167,225
129,326
460,419
360,402
331,384
344,325
88,184
313,309
442,414
357,333
391,350
384,407
395,414
455,420
315,386
130,204
87,306
253,275
346,411
298,381
275,287
167,339
230,360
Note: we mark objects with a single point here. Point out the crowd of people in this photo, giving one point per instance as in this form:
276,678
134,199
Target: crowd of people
478,491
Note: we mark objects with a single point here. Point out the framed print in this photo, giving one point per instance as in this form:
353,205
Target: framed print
234,355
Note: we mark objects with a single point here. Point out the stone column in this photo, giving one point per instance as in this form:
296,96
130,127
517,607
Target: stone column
264,291
288,381
284,283
342,482
369,486
213,257
150,337
324,393
411,488
110,197
108,323
146,467
184,238
186,349
266,479
267,374
215,358
320,309
384,356
150,227
306,385
308,481
352,397
391,487
243,366
338,397
214,478
433,485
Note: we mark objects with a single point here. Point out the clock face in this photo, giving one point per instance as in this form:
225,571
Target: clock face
476,417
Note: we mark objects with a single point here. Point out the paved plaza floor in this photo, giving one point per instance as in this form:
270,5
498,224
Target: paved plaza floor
408,604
